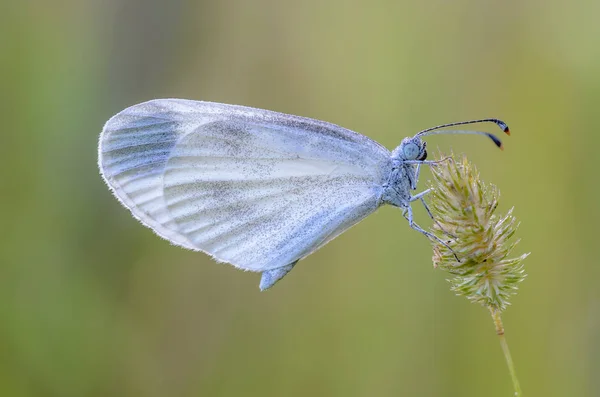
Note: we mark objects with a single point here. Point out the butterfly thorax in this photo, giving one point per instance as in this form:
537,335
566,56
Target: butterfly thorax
400,181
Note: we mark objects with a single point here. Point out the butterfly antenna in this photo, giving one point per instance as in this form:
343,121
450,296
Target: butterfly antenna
436,130
498,122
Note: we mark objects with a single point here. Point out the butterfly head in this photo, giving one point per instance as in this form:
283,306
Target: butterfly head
412,148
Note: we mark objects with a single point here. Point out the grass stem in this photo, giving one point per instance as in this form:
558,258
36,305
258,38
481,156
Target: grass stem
511,366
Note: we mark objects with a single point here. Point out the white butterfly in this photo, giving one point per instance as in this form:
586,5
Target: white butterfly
255,188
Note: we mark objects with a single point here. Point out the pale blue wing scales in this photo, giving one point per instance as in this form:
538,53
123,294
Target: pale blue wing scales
246,198
134,148
255,188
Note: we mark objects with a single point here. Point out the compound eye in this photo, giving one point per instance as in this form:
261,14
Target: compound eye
423,156
411,151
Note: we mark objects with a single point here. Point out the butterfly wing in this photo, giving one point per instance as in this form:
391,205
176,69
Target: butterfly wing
251,187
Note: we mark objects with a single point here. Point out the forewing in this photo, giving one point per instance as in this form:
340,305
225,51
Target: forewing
254,188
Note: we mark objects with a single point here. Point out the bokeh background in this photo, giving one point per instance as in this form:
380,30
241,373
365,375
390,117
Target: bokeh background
94,304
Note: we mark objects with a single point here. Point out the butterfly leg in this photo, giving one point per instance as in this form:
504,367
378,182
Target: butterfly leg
428,162
435,220
419,195
270,277
412,224
422,200
413,184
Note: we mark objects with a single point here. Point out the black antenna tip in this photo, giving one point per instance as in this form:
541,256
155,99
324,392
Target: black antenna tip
496,140
503,125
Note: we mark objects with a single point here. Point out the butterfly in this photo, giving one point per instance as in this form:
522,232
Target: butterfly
255,188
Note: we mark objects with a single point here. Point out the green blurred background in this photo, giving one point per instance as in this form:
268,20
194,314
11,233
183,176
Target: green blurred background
94,304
